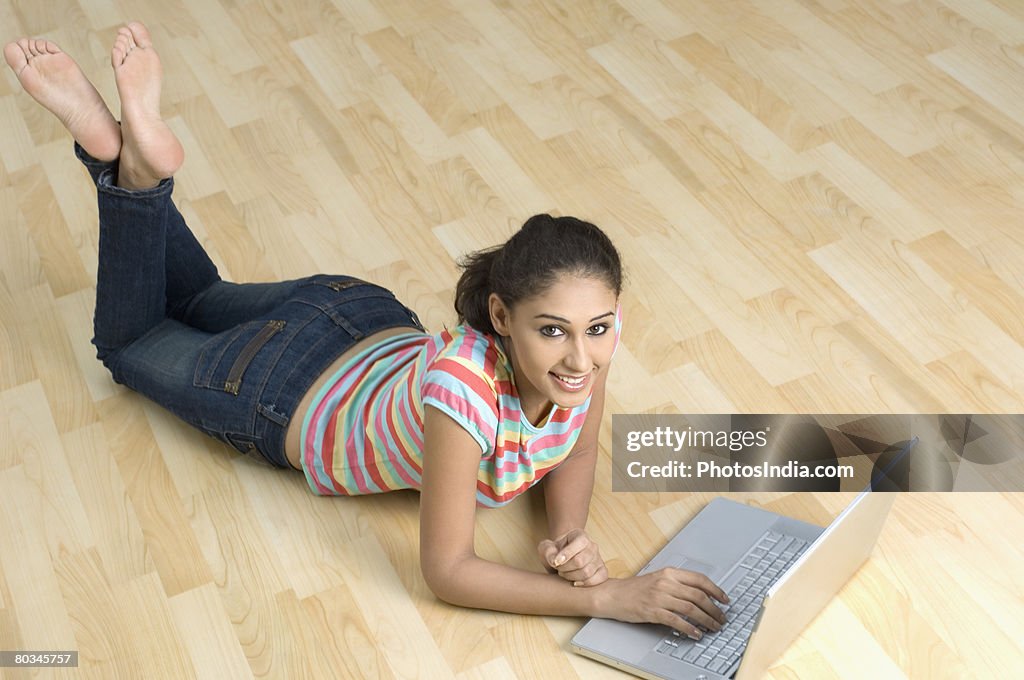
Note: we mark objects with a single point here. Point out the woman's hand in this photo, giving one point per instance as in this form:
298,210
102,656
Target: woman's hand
574,557
665,596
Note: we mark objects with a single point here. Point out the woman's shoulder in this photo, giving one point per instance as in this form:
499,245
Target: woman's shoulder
465,333
467,343
469,356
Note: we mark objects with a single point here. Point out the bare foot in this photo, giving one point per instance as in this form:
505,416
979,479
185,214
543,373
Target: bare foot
150,151
55,81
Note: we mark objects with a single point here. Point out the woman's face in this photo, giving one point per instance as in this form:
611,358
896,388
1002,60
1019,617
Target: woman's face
558,341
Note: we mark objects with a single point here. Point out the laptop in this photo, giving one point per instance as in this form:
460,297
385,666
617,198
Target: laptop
778,572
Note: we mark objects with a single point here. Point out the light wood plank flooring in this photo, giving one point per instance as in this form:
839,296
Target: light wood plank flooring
819,202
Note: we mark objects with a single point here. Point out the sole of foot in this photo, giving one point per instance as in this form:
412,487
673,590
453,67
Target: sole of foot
54,80
150,150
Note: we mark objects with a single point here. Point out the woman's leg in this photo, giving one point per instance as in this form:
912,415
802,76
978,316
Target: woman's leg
134,272
151,268
191,287
193,291
135,287
188,270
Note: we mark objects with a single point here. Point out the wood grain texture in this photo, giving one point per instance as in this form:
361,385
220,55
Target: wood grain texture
818,202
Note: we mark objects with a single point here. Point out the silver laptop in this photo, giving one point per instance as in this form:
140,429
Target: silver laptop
777,571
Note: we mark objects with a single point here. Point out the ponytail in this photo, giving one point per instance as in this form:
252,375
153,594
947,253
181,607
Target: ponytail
473,291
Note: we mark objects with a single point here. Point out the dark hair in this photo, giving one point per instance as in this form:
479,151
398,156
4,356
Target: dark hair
528,264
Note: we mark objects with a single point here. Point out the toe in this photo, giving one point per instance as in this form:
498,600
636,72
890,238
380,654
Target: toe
129,38
52,47
124,38
141,34
118,51
14,54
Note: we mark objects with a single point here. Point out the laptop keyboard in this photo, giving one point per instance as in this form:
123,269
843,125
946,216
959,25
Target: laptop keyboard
764,563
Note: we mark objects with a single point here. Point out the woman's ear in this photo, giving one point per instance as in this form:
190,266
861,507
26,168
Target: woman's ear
499,315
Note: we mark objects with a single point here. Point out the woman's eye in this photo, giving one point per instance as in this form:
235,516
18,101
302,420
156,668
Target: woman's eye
551,331
599,329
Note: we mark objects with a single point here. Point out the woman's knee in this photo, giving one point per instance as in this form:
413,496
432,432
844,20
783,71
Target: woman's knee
108,356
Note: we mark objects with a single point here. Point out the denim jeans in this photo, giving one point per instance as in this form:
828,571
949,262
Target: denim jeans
232,359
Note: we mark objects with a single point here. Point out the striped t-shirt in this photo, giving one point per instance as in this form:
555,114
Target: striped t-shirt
363,432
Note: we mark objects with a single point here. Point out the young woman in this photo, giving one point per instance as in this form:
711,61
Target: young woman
333,376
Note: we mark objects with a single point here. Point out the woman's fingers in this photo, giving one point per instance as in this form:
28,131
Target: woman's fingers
548,551
678,623
591,576
695,579
578,553
572,555
696,614
575,557
692,595
682,600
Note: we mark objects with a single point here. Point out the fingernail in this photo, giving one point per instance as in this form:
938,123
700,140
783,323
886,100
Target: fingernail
558,560
694,636
577,583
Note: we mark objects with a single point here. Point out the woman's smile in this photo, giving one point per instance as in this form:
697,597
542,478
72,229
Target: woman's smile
571,383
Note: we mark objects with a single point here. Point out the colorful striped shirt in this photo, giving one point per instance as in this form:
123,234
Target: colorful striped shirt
363,432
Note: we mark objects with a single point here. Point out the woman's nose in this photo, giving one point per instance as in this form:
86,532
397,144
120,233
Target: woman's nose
578,358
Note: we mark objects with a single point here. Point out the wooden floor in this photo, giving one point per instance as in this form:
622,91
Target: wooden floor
819,202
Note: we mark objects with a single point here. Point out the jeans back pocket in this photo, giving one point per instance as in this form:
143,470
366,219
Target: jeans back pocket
226,357
351,303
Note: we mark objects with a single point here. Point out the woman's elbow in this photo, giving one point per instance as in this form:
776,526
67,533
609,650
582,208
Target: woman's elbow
435,582
444,581
439,579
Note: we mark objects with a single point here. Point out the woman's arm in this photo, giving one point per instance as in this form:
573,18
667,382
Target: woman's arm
453,571
447,516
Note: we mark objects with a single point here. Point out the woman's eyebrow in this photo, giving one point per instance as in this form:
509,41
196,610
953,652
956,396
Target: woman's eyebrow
566,321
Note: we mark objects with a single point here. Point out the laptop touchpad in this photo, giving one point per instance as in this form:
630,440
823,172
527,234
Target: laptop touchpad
691,564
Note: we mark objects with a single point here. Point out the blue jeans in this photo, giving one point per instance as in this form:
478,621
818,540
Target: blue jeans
231,359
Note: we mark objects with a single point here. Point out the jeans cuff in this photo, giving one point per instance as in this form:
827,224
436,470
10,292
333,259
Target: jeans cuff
107,183
90,162
104,173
